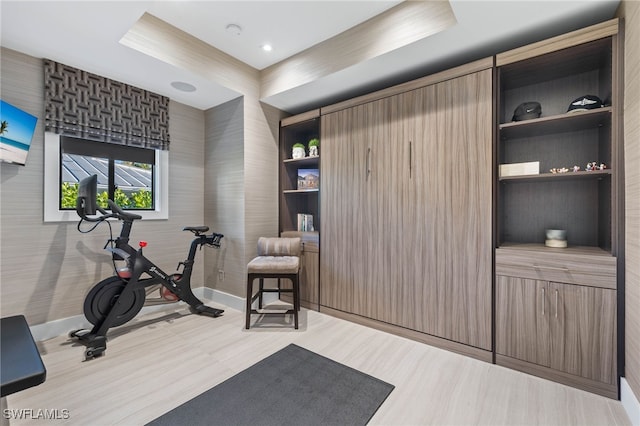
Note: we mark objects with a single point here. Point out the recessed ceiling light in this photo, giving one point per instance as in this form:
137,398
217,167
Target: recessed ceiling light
183,87
267,47
234,29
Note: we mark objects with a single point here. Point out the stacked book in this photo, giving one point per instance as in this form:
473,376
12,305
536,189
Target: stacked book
305,222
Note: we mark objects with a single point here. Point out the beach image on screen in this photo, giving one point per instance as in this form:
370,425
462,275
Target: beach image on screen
16,132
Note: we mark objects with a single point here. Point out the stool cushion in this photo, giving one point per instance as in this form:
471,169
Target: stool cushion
274,265
275,246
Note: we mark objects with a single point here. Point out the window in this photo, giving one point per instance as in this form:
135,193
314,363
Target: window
125,174
135,178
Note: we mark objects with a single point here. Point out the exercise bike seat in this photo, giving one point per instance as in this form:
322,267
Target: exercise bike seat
196,229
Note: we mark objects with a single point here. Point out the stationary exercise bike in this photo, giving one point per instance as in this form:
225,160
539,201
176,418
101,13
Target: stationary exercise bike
118,299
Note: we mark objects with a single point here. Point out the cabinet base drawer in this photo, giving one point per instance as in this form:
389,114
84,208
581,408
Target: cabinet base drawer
605,389
573,266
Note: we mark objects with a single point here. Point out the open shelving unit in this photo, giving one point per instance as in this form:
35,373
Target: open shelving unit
580,202
568,296
294,201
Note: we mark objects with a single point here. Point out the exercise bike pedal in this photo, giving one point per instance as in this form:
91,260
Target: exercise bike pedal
79,333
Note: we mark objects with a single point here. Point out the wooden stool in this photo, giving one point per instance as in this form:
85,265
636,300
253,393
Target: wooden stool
277,258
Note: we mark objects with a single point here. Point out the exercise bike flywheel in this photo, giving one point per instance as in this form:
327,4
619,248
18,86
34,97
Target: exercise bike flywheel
106,294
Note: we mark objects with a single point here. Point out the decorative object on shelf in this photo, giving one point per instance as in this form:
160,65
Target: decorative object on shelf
594,166
576,168
556,238
298,151
308,178
585,103
313,147
305,222
560,170
520,169
527,111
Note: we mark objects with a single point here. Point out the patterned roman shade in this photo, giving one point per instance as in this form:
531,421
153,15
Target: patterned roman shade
88,106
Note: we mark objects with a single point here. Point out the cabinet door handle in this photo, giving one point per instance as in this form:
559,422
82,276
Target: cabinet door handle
552,268
410,159
556,303
543,302
368,163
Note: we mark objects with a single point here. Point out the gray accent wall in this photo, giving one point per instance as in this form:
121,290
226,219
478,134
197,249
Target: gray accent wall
48,268
223,194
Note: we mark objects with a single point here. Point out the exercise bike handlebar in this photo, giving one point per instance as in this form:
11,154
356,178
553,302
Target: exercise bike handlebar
116,212
121,214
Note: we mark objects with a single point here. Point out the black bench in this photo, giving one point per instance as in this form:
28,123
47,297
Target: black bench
21,366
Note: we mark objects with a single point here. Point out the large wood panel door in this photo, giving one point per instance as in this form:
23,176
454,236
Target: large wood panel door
464,126
343,178
447,210
421,218
382,279
583,331
522,319
406,206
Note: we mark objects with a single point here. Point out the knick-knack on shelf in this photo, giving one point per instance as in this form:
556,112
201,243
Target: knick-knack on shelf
298,151
313,147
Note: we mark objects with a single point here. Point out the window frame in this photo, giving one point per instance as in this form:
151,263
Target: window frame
52,188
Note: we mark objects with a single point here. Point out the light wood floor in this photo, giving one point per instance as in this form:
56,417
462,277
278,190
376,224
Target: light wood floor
161,360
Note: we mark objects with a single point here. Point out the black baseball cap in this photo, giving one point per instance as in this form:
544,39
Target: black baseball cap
585,103
527,111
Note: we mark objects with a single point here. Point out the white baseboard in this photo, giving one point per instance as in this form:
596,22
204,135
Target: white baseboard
63,326
630,402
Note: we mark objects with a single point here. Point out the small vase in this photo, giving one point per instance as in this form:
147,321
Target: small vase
313,151
297,153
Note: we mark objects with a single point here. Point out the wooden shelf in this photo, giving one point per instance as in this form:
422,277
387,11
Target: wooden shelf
535,247
542,177
301,161
299,191
556,124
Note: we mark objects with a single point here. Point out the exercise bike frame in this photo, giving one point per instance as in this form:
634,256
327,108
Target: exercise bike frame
177,283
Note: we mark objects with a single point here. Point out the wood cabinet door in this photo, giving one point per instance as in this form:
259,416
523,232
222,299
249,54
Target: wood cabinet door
464,201
583,330
422,298
309,278
382,212
522,319
343,240
447,199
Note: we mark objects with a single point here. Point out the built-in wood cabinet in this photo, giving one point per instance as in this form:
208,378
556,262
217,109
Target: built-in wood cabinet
425,236
309,269
555,308
568,328
406,198
301,198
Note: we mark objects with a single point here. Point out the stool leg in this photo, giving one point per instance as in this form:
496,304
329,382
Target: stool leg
249,297
296,300
298,279
279,294
260,293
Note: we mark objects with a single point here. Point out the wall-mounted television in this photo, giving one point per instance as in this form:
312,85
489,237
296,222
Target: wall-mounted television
16,133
